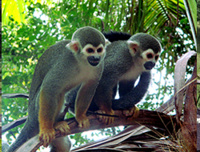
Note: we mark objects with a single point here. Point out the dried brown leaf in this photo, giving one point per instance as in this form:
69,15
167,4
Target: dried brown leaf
179,81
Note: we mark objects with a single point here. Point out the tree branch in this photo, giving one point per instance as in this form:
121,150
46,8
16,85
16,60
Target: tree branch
149,118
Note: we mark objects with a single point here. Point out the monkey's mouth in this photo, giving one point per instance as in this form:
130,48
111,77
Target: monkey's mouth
93,60
149,65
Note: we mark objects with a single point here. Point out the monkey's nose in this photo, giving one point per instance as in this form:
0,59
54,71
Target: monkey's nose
149,65
94,60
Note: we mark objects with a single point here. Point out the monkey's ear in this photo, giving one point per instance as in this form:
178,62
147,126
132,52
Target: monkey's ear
74,46
107,42
133,47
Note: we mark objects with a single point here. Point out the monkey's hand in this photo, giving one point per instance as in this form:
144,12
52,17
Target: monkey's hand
47,135
62,127
106,119
132,113
83,121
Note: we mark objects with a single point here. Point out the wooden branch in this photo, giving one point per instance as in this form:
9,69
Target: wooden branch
15,95
13,124
149,118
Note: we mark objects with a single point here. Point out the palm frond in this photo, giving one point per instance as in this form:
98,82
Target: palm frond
161,13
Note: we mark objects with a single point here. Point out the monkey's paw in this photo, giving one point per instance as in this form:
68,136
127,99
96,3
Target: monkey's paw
83,122
62,127
106,119
132,113
47,135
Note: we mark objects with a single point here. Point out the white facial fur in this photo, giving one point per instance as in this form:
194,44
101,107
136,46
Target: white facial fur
149,55
89,49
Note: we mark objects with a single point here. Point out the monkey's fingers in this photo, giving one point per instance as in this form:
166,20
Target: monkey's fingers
132,113
106,119
110,120
84,123
47,135
62,127
102,118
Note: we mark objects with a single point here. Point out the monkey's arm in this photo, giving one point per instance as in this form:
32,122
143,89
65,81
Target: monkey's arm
103,98
83,100
135,95
115,36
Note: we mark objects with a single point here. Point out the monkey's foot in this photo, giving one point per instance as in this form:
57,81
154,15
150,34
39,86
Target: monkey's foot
62,127
106,119
47,135
83,122
132,113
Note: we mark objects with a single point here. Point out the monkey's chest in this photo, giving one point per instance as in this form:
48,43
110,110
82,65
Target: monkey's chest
132,73
77,79
84,74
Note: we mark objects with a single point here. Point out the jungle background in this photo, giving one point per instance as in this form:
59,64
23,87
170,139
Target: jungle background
30,27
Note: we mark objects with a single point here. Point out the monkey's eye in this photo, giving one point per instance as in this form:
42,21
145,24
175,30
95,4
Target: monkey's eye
156,57
90,50
149,55
99,50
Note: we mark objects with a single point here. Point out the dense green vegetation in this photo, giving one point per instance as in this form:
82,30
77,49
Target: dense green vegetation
30,28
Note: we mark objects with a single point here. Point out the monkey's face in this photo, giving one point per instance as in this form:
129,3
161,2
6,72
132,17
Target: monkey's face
89,53
146,59
149,58
94,54
145,49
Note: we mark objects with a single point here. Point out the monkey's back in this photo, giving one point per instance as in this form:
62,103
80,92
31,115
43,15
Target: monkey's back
117,60
45,63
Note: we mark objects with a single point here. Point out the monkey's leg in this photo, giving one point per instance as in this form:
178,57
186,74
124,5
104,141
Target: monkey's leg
133,112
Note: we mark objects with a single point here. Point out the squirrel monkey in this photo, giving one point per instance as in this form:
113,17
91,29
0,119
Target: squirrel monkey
132,94
125,61
62,67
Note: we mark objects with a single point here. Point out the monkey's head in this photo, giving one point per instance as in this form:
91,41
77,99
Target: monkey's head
145,49
89,45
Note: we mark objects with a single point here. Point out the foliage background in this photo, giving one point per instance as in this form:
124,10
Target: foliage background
30,27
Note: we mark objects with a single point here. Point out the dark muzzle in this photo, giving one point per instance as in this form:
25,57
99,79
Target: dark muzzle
94,60
149,65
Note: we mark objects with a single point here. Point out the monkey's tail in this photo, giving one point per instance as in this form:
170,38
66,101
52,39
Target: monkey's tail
115,36
135,95
30,129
